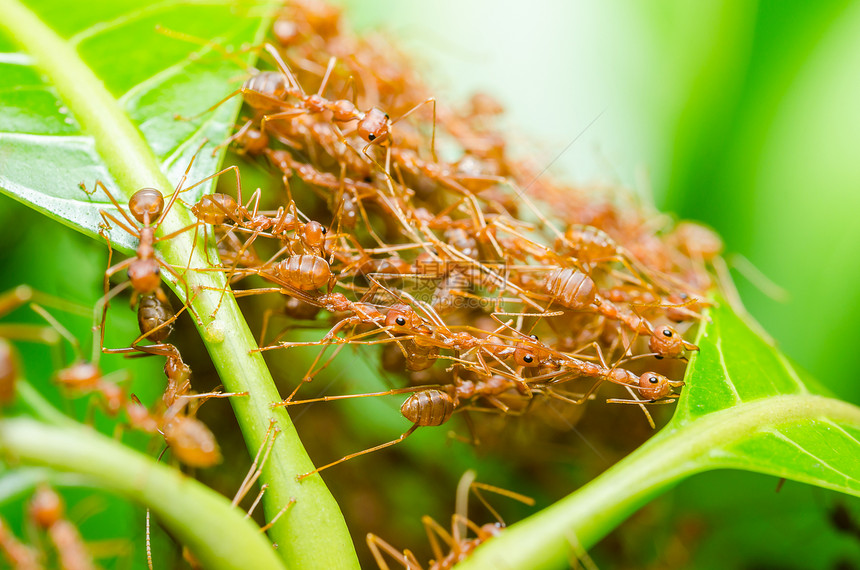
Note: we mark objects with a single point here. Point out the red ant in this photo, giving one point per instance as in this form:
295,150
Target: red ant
47,510
457,540
576,290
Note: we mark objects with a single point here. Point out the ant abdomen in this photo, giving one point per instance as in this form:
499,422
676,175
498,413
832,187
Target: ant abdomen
215,208
260,89
153,313
146,205
571,287
588,243
429,407
46,507
305,272
343,110
301,310
192,442
80,376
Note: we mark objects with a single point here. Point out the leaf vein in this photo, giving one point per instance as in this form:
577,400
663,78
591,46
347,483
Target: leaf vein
791,372
729,383
805,451
127,18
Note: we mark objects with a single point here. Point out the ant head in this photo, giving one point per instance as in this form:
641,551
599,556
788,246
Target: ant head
490,530
313,235
654,386
375,126
667,342
146,205
81,375
145,275
402,318
531,353
526,357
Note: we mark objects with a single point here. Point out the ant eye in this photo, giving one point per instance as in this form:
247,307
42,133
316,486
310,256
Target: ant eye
387,118
371,137
667,333
528,358
324,231
654,380
534,336
400,321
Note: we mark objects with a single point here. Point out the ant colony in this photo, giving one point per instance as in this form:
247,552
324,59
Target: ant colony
474,283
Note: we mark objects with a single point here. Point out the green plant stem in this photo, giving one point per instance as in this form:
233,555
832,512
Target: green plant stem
547,539
312,533
222,538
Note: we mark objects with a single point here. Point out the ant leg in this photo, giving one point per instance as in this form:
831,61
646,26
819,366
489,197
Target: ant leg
257,466
229,54
113,201
403,436
309,375
280,513
239,91
326,75
284,68
235,136
180,190
394,391
293,112
374,543
108,218
189,297
432,529
415,108
105,303
233,269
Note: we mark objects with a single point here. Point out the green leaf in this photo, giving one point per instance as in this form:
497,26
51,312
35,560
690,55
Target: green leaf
47,153
745,406
121,84
738,374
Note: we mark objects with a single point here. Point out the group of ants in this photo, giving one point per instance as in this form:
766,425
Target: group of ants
475,296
